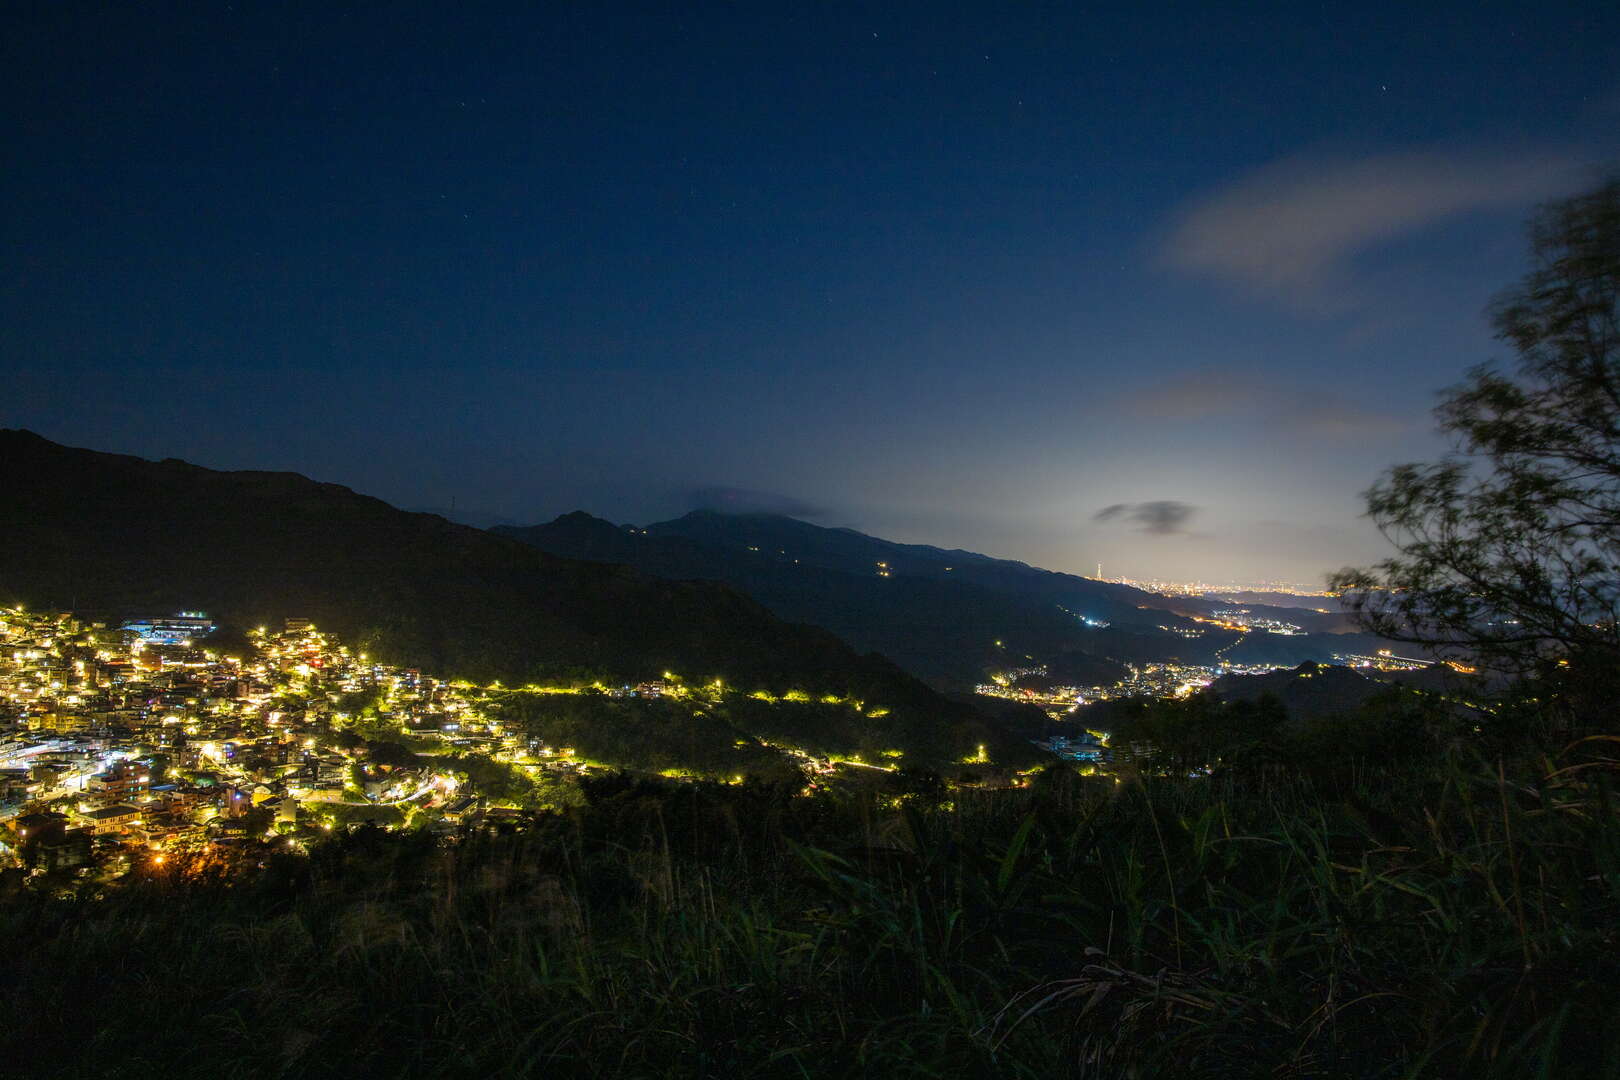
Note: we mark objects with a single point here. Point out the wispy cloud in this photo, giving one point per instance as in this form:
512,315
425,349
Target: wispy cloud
1290,229
1238,395
1162,517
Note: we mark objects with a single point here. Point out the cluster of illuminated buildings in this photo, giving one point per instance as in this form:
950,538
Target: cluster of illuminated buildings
1385,660
1242,619
1142,680
140,742
1205,588
1173,680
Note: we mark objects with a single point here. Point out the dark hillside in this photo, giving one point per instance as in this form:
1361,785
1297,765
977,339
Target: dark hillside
1309,691
785,538
938,629
936,612
121,535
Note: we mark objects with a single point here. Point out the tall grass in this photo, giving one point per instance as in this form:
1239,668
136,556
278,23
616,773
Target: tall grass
1456,917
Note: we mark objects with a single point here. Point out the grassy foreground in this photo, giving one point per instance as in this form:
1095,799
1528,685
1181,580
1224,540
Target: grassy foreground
1454,918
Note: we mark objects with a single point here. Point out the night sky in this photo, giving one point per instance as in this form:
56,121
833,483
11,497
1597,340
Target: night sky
1160,287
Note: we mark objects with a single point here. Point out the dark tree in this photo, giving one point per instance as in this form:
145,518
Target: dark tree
1509,548
391,753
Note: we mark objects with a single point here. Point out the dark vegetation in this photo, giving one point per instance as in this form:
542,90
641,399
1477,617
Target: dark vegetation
1508,550
735,735
1448,912
1364,726
1312,691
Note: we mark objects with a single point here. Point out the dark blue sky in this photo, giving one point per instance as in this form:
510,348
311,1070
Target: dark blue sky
959,274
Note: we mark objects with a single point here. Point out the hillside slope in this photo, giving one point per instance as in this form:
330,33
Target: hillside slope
941,630
938,613
118,535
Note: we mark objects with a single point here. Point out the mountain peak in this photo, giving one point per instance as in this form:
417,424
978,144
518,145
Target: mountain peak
581,517
22,435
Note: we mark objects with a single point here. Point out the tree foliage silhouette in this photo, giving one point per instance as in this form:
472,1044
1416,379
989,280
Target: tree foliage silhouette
1508,549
